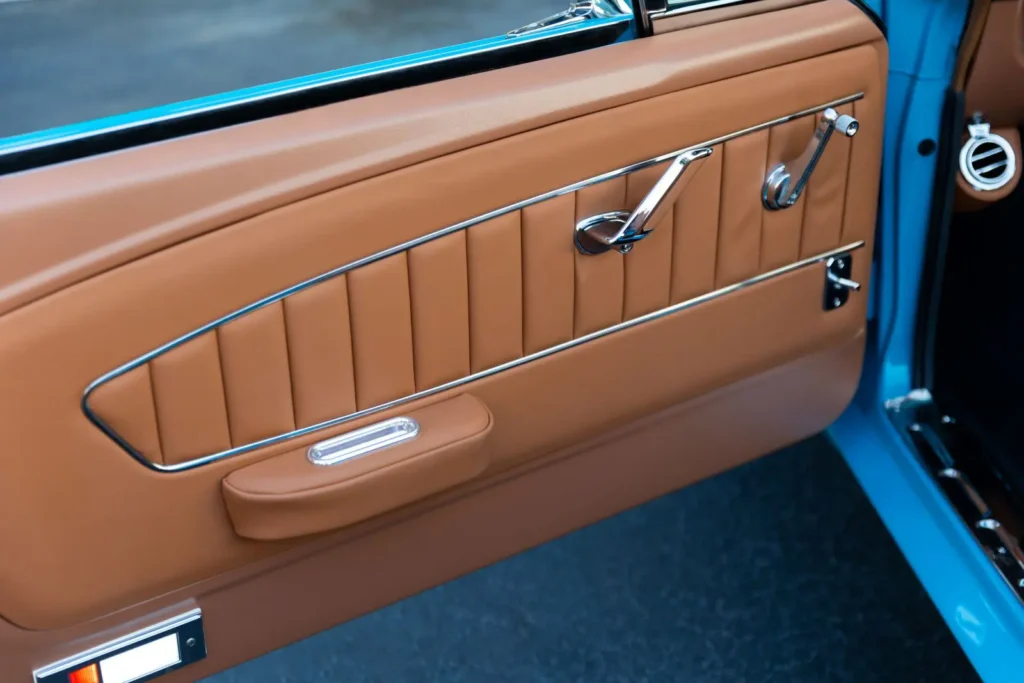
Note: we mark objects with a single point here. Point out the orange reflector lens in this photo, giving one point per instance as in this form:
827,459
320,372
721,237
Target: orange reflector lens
87,674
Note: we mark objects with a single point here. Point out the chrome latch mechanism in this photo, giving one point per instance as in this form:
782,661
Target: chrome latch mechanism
621,229
780,191
838,284
578,12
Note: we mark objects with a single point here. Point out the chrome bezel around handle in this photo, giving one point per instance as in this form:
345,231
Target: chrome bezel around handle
621,230
780,191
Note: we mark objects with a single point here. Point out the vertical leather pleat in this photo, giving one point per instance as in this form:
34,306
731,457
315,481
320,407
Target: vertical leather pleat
599,279
381,331
494,251
548,273
825,196
257,380
695,231
126,404
647,269
739,225
439,287
862,159
188,392
320,352
780,231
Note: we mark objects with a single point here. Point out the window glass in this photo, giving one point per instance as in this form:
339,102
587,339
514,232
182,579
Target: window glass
66,61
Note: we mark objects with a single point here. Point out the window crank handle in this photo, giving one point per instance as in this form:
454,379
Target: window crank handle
786,182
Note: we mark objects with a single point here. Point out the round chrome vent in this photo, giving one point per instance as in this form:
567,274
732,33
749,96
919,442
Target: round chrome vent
987,161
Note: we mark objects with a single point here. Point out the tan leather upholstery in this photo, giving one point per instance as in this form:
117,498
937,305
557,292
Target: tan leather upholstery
280,599
287,496
118,254
320,352
722,14
201,183
995,85
188,394
473,280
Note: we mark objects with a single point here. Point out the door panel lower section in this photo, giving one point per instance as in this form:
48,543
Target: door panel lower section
291,595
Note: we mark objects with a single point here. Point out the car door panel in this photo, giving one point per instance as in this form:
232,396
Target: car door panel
233,297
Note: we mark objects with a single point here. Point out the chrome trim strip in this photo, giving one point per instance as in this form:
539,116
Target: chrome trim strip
437,234
244,96
124,641
689,8
363,441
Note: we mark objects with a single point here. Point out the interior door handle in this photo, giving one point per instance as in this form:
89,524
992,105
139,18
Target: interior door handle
621,229
780,191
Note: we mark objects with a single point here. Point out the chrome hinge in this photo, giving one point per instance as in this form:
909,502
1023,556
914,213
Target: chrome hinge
579,11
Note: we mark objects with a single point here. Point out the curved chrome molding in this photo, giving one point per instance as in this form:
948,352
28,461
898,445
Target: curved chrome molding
437,234
820,258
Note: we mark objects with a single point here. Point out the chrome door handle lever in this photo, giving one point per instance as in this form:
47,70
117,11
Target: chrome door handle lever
621,229
842,281
780,189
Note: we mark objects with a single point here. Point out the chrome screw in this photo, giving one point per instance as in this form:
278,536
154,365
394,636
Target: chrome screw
840,263
837,302
626,248
191,642
947,420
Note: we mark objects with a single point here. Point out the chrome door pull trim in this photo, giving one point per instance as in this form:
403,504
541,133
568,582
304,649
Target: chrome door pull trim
363,441
621,230
780,191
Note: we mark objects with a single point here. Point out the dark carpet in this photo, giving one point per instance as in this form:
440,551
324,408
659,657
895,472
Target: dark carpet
777,571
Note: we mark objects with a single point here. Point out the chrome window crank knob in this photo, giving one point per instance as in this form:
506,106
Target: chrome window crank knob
786,182
621,230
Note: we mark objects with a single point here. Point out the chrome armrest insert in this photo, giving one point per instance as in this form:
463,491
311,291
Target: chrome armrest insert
363,441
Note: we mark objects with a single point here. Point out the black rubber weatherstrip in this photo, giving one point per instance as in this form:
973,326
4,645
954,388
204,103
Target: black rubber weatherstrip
940,220
286,103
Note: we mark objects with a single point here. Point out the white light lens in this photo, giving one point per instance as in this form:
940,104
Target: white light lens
141,661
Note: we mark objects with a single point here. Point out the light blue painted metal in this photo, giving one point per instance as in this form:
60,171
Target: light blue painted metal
980,609
179,110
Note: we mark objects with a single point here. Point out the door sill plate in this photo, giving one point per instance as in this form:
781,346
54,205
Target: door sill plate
975,492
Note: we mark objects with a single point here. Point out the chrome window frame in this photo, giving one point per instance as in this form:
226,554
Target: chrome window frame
153,124
405,246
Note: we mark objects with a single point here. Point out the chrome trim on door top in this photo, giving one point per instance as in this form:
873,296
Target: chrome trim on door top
437,234
676,9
